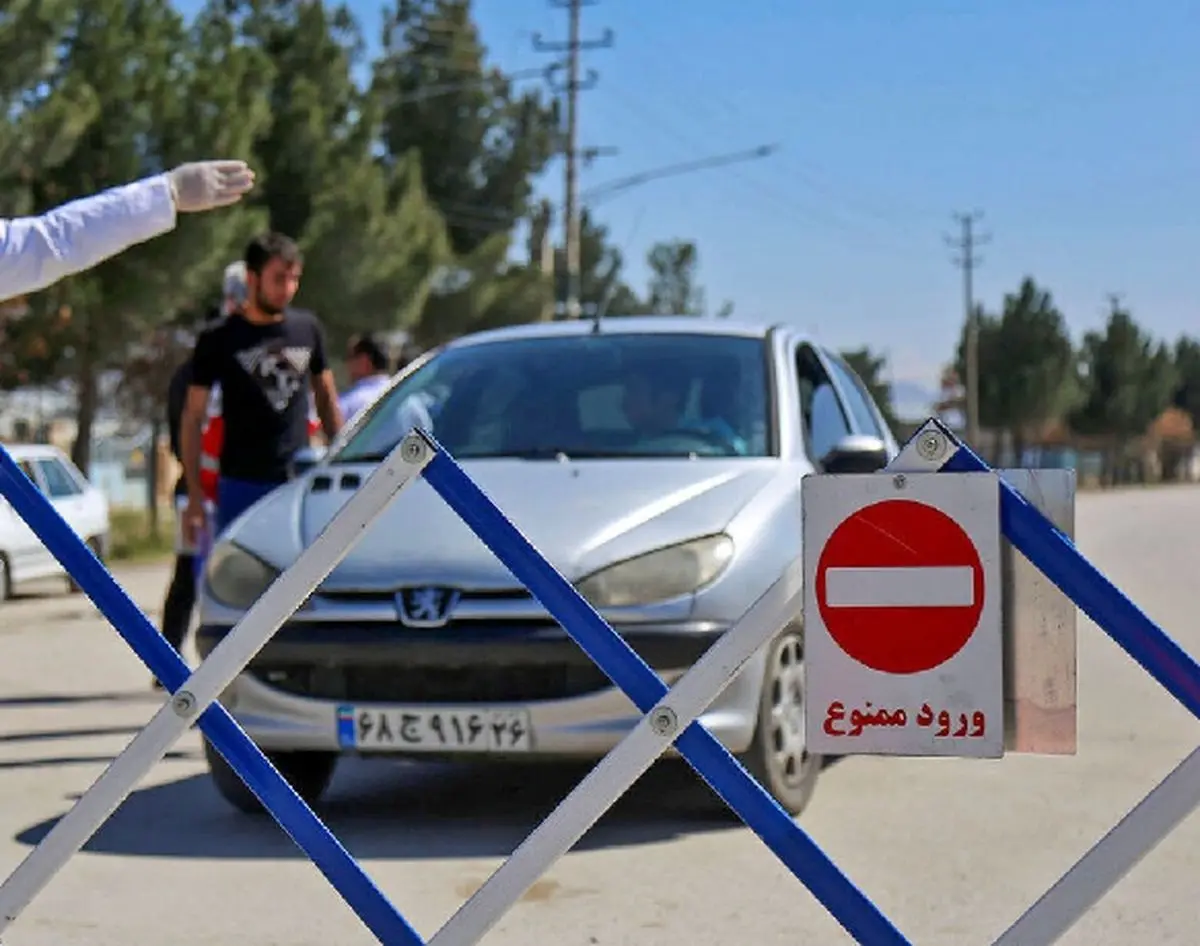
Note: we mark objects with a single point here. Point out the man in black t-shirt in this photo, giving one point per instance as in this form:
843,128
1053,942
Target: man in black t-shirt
265,358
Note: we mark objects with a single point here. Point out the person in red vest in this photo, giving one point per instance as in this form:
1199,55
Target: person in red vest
180,599
212,435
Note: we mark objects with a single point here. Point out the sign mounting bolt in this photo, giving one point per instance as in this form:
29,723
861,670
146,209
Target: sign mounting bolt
931,445
899,481
664,721
184,704
413,449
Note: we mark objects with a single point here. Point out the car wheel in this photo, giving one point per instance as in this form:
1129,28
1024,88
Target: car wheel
779,757
308,772
97,549
5,580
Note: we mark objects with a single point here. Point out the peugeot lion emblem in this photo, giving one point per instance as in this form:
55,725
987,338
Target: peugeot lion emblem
425,607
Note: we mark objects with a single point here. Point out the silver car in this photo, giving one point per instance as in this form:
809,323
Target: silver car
655,461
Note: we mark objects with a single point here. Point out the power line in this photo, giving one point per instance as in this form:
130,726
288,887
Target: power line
571,88
608,188
967,260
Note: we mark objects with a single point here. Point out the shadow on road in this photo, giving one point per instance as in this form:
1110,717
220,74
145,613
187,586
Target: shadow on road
392,810
43,735
71,699
98,759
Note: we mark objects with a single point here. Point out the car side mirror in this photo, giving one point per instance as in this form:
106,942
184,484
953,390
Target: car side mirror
856,454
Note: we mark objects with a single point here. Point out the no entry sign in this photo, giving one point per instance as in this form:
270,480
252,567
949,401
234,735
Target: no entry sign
908,566
902,614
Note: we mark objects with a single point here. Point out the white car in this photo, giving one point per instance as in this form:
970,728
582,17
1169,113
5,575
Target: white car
23,556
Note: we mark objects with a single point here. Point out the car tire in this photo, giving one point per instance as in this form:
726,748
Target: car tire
778,757
5,580
97,549
309,773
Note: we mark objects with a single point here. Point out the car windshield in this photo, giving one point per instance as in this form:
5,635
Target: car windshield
611,395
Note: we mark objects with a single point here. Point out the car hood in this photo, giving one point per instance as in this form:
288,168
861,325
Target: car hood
581,515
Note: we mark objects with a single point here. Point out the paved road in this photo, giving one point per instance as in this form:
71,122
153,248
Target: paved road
952,850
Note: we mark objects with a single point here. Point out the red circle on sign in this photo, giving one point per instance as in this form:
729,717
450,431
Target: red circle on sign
909,632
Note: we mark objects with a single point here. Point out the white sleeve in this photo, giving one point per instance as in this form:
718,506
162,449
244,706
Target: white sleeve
36,252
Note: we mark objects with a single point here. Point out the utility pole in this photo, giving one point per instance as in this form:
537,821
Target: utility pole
571,89
967,260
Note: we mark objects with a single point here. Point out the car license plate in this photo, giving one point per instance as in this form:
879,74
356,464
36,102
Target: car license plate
453,729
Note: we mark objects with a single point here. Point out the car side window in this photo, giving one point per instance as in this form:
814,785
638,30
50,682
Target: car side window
855,395
27,469
823,418
60,484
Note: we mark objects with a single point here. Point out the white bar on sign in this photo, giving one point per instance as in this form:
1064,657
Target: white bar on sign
933,587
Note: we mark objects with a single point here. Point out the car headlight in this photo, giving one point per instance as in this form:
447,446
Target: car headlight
659,575
235,577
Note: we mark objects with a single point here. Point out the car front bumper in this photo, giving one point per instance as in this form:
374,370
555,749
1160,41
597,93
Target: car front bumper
289,696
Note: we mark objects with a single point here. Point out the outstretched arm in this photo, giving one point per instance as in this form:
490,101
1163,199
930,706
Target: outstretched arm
36,252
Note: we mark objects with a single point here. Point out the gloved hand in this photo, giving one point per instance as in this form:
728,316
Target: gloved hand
204,185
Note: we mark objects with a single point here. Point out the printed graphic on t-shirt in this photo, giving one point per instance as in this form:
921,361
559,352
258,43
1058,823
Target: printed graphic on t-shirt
277,369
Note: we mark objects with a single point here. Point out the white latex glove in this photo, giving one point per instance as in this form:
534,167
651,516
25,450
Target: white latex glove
205,185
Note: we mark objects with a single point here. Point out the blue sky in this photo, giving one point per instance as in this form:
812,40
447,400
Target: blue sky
1073,125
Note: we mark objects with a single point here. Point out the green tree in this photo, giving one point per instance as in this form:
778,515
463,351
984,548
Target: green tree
1187,369
1027,364
142,392
319,117
167,95
372,239
372,247
673,288
872,369
44,112
601,265
480,142
1129,379
482,292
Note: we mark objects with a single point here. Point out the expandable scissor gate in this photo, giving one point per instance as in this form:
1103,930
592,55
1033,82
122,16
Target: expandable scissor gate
668,714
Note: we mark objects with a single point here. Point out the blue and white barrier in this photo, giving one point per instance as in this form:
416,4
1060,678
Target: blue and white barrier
669,714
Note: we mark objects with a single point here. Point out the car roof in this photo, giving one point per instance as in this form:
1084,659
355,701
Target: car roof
34,451
620,325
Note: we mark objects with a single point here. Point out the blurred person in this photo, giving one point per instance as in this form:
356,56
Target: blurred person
264,357
36,252
181,592
654,402
189,555
654,397
367,364
233,292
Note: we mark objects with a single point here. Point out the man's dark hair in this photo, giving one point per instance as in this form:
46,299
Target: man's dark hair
369,346
268,246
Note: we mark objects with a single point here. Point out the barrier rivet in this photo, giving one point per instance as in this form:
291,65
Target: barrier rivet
413,449
931,445
183,703
899,480
664,721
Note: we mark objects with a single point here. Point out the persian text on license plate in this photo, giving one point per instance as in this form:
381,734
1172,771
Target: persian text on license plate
455,729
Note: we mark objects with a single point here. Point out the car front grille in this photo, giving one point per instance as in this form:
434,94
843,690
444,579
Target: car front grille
434,685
